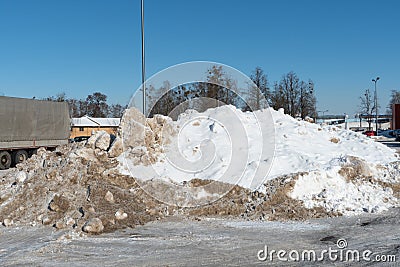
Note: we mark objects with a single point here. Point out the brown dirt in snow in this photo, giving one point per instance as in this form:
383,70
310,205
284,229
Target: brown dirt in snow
279,206
71,190
274,205
68,187
394,186
356,170
143,138
335,140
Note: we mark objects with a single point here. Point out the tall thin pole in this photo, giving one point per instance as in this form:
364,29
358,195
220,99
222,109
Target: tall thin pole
376,106
143,59
376,110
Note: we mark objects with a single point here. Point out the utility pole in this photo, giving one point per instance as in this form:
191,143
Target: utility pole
143,59
376,105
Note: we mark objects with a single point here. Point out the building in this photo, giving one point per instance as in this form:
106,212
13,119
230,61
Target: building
86,126
396,116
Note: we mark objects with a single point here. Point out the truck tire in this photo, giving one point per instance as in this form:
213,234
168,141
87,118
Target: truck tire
5,160
20,156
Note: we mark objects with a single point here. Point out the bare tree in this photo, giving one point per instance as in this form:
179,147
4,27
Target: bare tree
367,107
83,107
214,79
286,94
72,103
290,84
277,97
394,99
60,97
161,100
73,107
116,110
220,86
307,100
258,93
296,97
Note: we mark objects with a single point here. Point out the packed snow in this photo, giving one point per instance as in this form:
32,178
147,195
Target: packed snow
250,148
334,193
300,146
222,144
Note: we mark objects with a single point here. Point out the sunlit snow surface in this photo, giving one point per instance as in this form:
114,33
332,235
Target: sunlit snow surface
199,152
228,145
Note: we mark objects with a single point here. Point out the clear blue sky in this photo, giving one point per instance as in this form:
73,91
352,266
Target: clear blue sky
79,47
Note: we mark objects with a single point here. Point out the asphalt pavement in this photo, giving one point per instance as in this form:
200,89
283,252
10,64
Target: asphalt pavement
391,142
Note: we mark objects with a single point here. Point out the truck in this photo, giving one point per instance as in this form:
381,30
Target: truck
28,124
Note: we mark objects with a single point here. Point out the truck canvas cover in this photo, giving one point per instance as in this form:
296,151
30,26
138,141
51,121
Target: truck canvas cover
33,120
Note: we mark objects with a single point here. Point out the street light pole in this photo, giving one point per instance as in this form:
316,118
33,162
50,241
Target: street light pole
143,58
376,105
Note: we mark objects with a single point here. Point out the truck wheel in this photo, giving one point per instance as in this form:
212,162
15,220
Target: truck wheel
5,160
20,156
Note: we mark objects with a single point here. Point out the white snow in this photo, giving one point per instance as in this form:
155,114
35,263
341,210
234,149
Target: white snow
222,144
246,148
334,193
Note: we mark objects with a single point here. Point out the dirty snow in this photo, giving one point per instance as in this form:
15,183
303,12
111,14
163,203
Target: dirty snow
225,144
220,163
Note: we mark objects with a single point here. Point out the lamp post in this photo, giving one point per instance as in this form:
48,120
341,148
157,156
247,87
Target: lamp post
376,105
143,57
358,116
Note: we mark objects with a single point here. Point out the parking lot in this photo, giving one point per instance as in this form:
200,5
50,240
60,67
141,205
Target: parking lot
392,144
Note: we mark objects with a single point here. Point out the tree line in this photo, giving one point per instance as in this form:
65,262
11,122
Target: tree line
294,95
94,105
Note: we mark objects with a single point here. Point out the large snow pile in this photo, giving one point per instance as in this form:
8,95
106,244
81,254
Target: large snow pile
222,162
231,146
